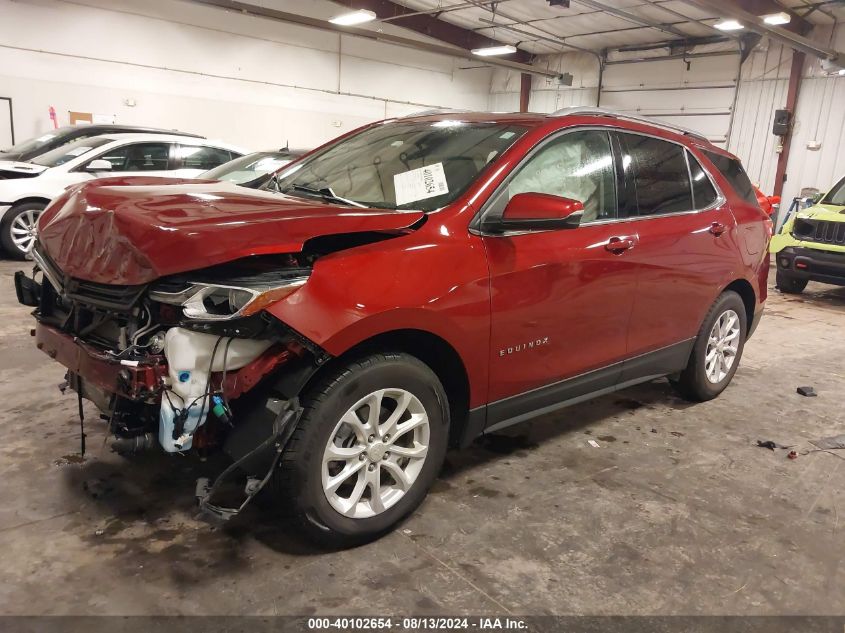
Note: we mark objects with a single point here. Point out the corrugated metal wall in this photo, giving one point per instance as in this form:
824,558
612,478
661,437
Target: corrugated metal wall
819,117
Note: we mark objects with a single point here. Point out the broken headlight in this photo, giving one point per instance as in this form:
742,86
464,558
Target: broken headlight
220,302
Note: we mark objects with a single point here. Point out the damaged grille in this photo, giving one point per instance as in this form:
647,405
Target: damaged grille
120,298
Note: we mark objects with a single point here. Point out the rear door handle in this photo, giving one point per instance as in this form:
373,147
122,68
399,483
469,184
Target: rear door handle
619,245
717,228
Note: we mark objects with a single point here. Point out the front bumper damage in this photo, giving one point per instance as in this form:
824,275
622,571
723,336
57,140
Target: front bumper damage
164,397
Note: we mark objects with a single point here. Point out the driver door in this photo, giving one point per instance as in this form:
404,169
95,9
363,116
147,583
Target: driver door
561,299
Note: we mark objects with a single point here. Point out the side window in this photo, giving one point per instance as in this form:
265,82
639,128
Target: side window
139,157
733,172
656,176
202,157
577,165
703,192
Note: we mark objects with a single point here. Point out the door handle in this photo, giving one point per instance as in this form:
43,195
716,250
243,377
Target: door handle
717,228
619,245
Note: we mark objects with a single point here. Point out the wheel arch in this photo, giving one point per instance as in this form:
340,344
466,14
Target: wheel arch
749,298
433,350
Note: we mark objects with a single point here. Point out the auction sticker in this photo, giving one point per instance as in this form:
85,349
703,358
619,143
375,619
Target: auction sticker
419,184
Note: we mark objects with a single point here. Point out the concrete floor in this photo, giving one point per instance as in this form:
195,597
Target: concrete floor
678,512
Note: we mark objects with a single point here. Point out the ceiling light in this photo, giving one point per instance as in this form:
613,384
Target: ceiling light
356,17
777,18
504,49
728,25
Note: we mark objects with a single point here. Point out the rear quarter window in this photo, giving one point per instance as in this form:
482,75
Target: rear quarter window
734,173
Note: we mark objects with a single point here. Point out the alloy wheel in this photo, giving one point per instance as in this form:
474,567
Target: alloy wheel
375,453
722,346
24,229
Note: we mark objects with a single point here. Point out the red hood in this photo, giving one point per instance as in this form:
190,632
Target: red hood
134,230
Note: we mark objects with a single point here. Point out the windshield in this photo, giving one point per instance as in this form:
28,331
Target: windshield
836,195
402,165
24,147
250,167
65,153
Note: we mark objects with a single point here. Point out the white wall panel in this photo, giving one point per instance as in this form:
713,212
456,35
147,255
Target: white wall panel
244,79
819,116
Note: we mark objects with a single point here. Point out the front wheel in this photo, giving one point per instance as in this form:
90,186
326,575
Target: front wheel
790,285
19,228
716,351
367,448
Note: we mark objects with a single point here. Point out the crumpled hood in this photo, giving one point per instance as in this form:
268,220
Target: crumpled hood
134,230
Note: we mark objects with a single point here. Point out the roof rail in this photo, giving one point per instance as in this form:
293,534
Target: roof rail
431,111
624,116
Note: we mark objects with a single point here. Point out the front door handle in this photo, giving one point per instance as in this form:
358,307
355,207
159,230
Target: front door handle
619,245
717,228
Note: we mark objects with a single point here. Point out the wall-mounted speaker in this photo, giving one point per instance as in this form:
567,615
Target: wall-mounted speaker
783,121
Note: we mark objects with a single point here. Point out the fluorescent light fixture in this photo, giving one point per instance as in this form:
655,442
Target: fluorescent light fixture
504,49
777,18
728,25
356,17
842,71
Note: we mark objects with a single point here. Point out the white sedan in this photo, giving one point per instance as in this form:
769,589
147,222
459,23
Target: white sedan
26,188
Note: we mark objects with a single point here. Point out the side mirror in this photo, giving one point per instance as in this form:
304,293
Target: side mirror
527,211
98,164
817,198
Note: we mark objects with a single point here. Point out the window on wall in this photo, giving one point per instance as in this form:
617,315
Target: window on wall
656,177
703,192
199,157
139,157
577,165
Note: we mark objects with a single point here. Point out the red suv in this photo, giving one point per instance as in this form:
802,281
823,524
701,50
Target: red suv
402,289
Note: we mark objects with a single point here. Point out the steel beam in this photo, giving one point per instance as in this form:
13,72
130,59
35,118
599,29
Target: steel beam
752,21
323,25
794,85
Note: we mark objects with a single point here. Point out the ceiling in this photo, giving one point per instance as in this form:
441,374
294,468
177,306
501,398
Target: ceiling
538,28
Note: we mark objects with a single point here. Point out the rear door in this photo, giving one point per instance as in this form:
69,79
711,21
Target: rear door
192,159
686,247
560,299
148,158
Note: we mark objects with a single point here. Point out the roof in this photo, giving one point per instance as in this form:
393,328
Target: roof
137,136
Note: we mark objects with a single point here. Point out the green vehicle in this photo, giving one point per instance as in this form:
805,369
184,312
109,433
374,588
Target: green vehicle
811,244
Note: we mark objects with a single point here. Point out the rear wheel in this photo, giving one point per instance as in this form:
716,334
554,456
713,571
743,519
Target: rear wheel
790,285
19,228
367,448
716,351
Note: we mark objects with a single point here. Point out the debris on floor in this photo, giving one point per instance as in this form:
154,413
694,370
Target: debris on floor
808,392
593,443
770,445
792,455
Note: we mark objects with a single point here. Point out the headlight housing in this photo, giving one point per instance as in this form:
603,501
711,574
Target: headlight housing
221,302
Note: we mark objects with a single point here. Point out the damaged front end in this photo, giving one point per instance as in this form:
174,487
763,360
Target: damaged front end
190,362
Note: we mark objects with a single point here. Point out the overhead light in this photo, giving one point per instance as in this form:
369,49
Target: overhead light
728,25
777,18
504,49
356,17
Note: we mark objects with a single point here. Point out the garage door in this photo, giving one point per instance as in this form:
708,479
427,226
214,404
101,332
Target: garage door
697,92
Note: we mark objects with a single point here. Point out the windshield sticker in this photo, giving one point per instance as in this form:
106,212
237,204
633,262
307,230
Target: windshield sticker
507,135
78,151
420,184
45,138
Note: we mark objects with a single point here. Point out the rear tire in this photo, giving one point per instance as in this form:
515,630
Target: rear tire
17,229
790,285
717,350
386,476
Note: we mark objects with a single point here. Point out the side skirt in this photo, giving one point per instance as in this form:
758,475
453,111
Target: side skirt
503,413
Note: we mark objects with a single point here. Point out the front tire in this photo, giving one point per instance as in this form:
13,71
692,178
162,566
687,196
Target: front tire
370,442
717,350
790,285
18,228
